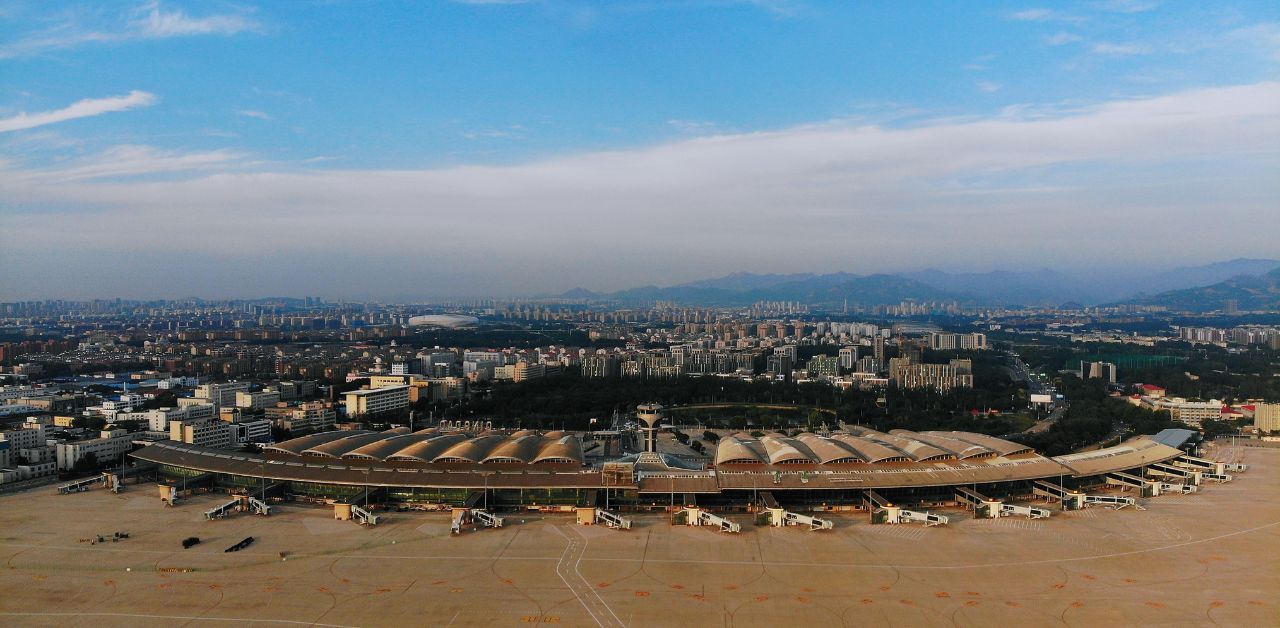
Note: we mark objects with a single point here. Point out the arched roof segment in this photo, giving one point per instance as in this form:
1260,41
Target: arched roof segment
783,450
379,450
736,449
516,448
298,445
869,450
829,450
567,448
962,450
998,445
427,450
473,450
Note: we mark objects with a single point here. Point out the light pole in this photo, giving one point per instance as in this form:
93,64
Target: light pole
486,490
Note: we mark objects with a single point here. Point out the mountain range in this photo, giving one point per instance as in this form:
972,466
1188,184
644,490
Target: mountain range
1176,287
1250,292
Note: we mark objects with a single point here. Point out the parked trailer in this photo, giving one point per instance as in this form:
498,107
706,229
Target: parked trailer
241,545
1030,512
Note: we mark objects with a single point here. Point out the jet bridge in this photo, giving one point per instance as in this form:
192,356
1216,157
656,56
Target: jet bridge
1216,477
464,516
1184,489
1200,464
1030,512
612,520
221,511
1071,500
695,516
983,507
1111,501
486,518
80,486
881,509
364,517
927,518
779,516
1146,488
1236,467
1158,469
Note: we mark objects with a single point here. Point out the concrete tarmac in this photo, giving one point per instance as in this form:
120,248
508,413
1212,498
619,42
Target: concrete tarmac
1211,558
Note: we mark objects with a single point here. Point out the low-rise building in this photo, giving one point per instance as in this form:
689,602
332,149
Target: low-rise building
377,400
108,448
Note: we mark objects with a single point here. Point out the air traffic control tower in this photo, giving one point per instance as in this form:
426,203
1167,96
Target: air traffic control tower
650,414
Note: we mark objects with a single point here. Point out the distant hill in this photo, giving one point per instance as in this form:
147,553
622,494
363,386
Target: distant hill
1208,274
1251,292
1051,287
820,290
1033,287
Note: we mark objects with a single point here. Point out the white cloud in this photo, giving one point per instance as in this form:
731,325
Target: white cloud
1062,38
129,161
149,21
989,87
1127,6
157,23
1049,187
1119,50
1043,15
81,109
693,127
250,113
512,132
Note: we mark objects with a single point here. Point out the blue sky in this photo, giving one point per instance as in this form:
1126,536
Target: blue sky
578,139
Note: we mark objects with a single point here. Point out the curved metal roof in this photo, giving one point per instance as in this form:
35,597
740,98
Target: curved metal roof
998,445
783,450
567,448
473,450
379,450
870,451
917,450
427,450
735,449
519,447
828,450
296,446
335,448
962,449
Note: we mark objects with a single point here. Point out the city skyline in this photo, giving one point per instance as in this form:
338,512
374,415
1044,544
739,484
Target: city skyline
164,149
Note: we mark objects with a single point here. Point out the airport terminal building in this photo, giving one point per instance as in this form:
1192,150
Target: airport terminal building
438,468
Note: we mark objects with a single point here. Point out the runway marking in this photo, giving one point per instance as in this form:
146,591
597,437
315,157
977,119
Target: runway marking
588,597
183,617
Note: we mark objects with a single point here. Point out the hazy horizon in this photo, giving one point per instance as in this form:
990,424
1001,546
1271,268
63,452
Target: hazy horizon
472,149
